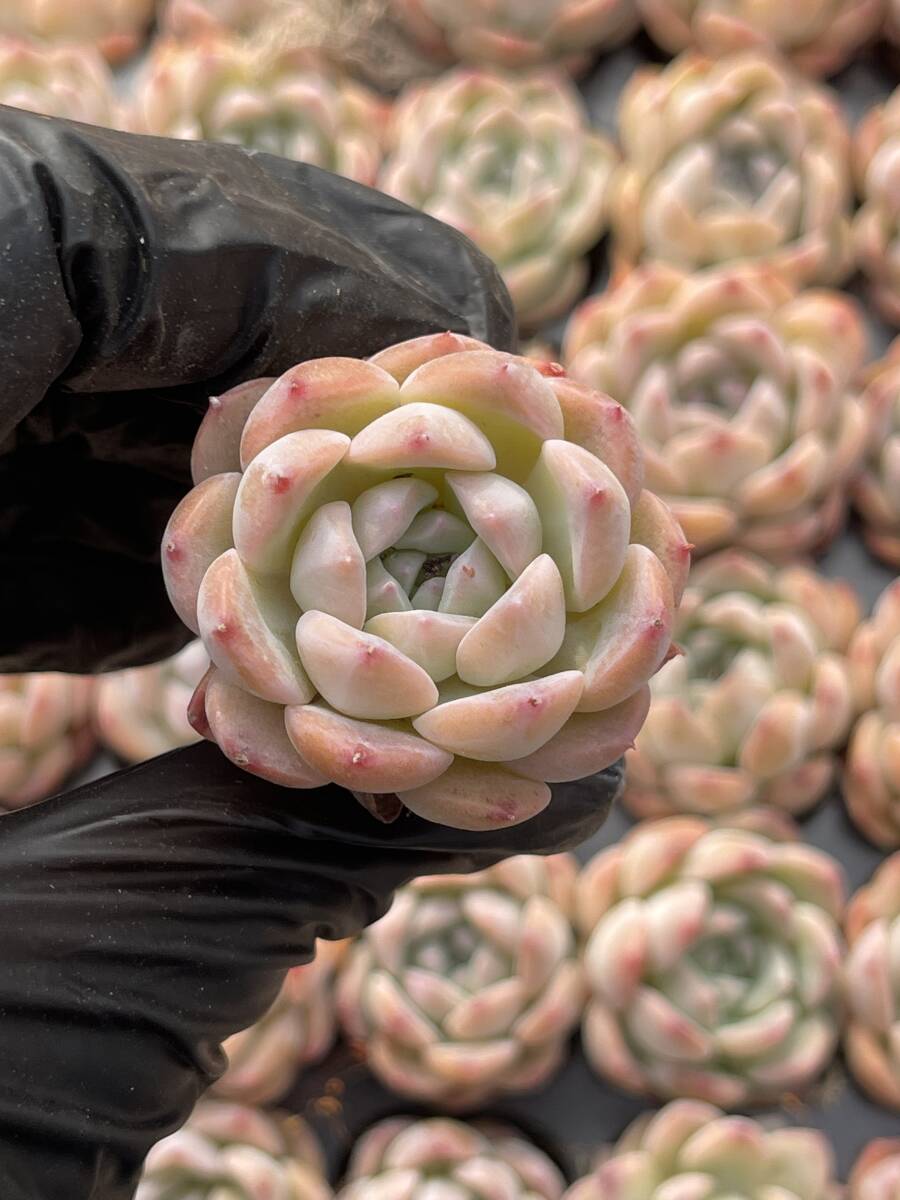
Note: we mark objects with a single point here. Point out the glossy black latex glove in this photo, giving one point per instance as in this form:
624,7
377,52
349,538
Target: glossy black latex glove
146,917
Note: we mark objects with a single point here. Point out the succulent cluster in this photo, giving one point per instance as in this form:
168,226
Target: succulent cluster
511,162
432,577
713,957
743,394
876,1173
45,734
876,493
58,81
471,985
198,18
876,227
439,1159
733,158
115,27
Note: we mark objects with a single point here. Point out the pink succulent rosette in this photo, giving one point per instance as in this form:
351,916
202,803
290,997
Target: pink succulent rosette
512,162
713,957
404,1159
876,227
818,36
470,986
115,27
876,1173
297,1031
744,396
142,712
872,980
198,18
288,102
57,81
45,734
876,491
759,704
747,162
689,1148
517,33
431,577
231,1152
872,775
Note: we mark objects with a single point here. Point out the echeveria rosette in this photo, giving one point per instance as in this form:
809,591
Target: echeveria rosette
872,775
288,102
115,27
876,490
142,712
733,158
876,1173
744,397
45,734
296,1032
405,1159
759,704
876,227
57,81
818,36
432,575
692,1149
232,1152
713,957
511,162
872,983
470,987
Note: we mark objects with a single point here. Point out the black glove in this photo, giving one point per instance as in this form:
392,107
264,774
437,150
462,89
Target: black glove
146,917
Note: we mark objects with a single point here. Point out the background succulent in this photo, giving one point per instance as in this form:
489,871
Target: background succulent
115,27
455,518
872,777
872,977
876,227
743,394
876,1173
512,163
470,986
876,492
229,1152
45,734
713,957
404,1159
733,158
197,18
689,1148
58,81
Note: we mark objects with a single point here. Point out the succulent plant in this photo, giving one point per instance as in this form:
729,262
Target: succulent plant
403,1159
872,775
818,36
691,1149
58,81
115,27
142,712
756,708
713,957
733,158
872,981
296,1032
743,394
471,985
198,18
45,734
452,551
517,33
876,1173
511,162
287,102
876,491
876,227
230,1152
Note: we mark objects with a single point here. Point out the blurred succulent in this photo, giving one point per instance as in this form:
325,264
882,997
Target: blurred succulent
115,27
876,1173
517,33
513,164
229,1152
142,712
876,491
743,394
818,36
756,708
733,158
691,1149
470,986
872,979
296,1032
713,957
198,18
438,1159
876,228
286,102
58,81
441,514
872,776
45,734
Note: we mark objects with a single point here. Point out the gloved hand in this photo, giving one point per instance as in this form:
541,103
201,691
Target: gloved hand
146,917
